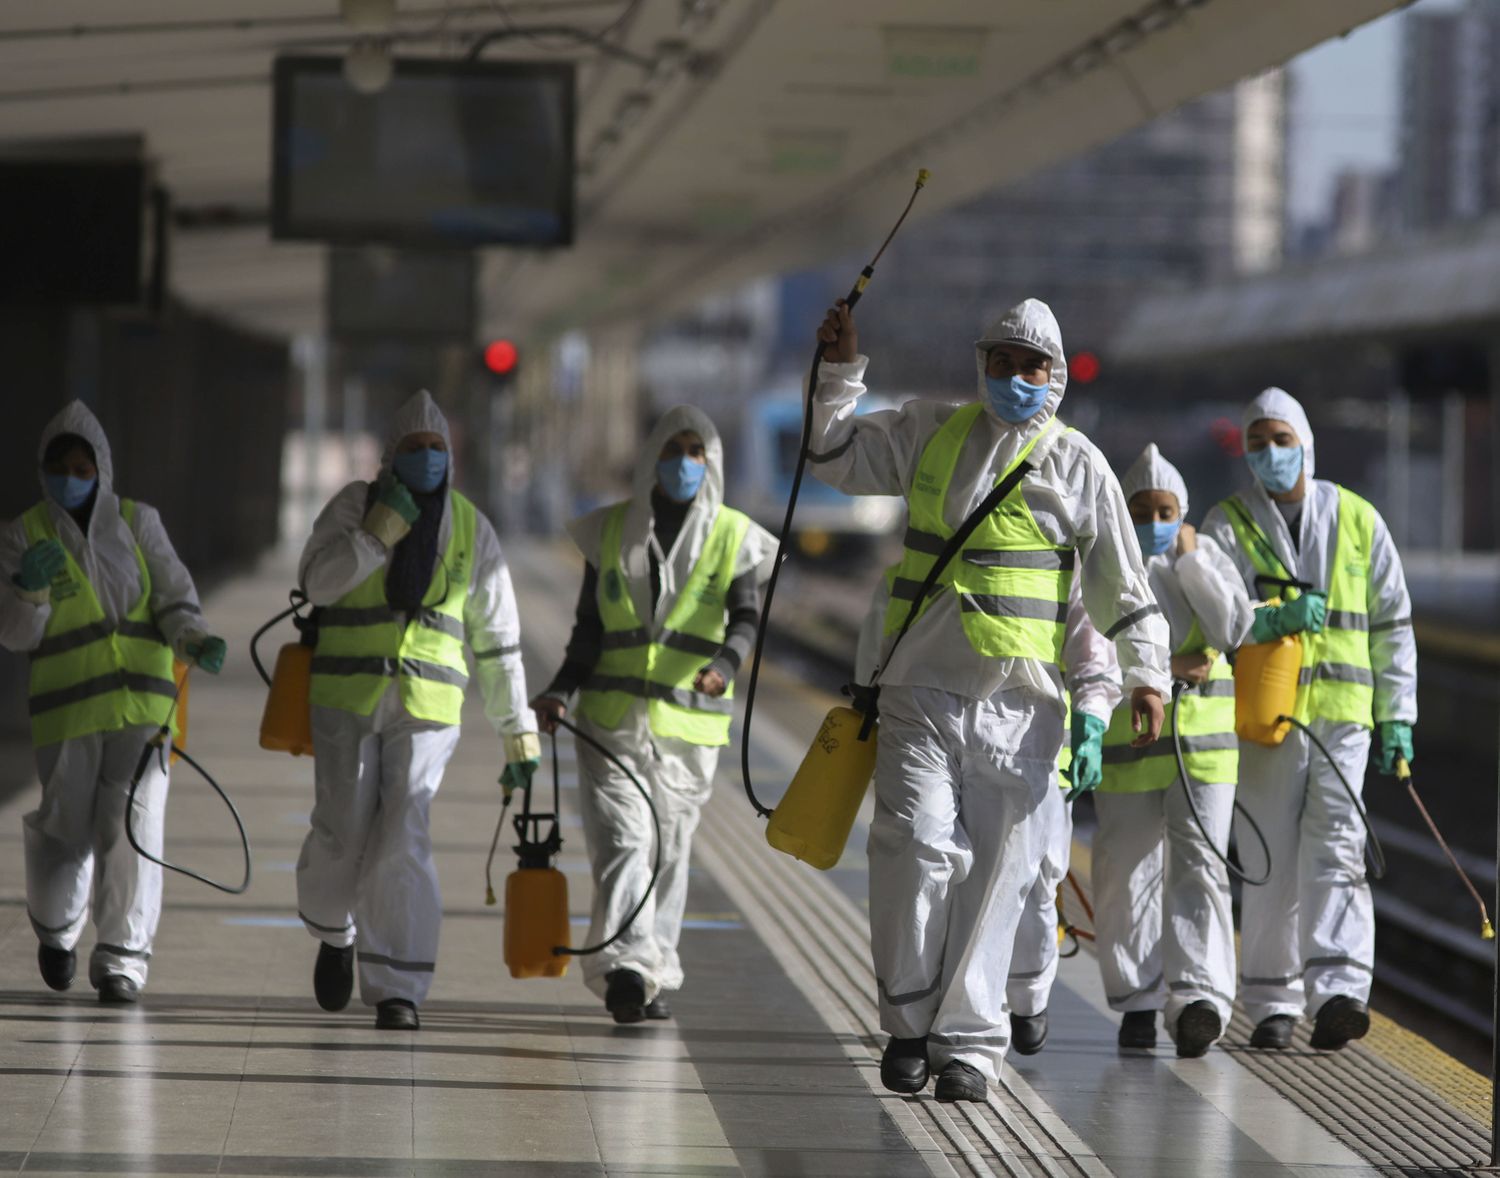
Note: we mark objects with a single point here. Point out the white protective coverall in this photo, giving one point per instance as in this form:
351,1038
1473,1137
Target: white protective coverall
966,770
77,835
1309,933
1093,680
1162,917
616,823
366,876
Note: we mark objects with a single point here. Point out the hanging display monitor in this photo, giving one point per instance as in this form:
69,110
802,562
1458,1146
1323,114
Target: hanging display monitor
448,154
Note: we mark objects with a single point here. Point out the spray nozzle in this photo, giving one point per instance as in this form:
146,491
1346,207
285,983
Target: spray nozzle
489,896
923,175
1487,931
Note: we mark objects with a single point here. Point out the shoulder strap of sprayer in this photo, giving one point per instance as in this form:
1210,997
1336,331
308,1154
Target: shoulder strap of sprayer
866,698
1263,554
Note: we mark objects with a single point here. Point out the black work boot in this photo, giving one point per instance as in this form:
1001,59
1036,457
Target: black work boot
1028,1032
333,976
118,990
1138,1029
958,1081
1274,1032
658,1009
57,965
1339,1020
396,1014
903,1065
625,996
1198,1027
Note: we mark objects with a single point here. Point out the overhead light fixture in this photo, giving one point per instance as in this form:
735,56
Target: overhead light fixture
368,66
369,16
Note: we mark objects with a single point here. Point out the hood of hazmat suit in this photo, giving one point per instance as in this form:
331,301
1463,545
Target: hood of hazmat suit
1152,472
639,532
419,415
1279,405
1030,324
77,418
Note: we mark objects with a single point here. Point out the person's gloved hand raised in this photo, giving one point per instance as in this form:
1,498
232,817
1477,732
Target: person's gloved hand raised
1395,744
208,652
1305,615
1087,770
392,514
39,564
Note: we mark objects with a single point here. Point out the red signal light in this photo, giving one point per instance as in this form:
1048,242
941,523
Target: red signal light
500,356
1227,436
1084,368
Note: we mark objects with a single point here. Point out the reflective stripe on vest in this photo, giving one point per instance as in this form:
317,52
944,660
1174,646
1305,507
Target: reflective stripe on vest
87,675
1337,678
1210,749
363,644
1012,581
661,670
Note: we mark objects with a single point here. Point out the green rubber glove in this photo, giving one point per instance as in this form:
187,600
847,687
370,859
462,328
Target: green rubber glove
41,562
1395,743
1087,770
208,653
518,775
392,493
1305,615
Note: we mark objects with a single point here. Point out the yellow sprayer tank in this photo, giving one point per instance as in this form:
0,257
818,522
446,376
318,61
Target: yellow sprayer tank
1265,689
180,675
812,822
286,725
536,921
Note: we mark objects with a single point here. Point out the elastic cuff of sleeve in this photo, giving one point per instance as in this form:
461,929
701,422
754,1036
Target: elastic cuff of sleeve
33,596
523,746
385,524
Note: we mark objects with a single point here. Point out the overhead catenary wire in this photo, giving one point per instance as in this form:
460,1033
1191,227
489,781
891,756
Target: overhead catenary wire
855,294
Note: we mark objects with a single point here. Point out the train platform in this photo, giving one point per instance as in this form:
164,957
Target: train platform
770,1066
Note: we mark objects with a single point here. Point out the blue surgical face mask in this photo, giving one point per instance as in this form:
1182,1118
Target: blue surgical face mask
1156,537
69,491
422,470
1014,400
680,477
1277,467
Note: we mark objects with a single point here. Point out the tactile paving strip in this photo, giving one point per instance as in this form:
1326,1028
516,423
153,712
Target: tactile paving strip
823,942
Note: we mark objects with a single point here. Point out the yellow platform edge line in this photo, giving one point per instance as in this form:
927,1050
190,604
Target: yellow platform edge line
1426,1064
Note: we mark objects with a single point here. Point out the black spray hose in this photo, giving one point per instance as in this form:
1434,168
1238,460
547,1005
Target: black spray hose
856,292
564,950
298,600
158,746
1182,776
1372,841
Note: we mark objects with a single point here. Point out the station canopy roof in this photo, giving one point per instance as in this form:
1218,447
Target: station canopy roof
754,135
1430,285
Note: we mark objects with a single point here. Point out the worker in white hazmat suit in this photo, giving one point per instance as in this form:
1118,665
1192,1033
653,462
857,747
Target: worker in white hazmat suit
100,602
1308,936
1092,678
666,613
972,699
406,572
1162,918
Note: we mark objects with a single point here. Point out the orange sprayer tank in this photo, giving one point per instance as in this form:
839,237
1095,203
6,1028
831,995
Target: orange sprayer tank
286,725
536,921
1265,689
180,674
812,822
